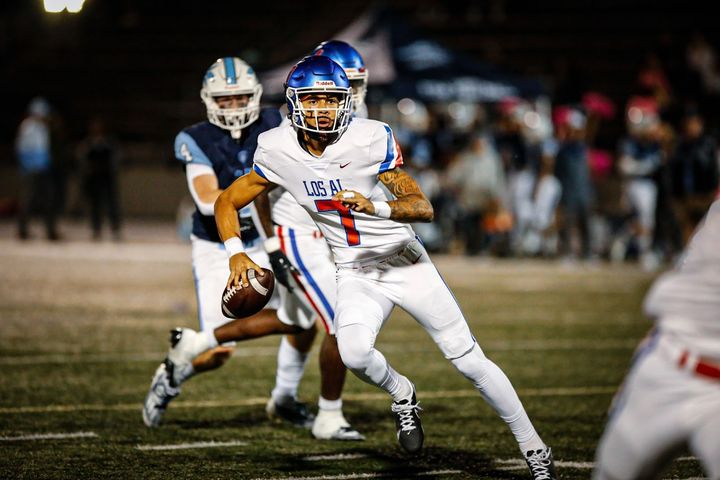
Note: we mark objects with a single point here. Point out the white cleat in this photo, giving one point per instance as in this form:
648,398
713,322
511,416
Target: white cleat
158,397
332,425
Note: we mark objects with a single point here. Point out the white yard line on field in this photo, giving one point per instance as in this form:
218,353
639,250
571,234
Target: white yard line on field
49,436
188,446
369,475
336,456
255,401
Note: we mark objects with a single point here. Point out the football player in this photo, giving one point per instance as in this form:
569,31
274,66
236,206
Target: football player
300,240
670,400
334,167
215,153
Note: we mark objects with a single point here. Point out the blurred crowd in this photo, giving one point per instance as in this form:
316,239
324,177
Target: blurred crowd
517,177
529,178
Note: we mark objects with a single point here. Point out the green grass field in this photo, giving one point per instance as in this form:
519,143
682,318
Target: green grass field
83,327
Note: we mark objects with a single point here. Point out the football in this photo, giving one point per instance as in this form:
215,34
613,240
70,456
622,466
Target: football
244,302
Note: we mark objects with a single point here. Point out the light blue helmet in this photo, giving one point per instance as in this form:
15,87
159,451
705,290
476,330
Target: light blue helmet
318,74
352,62
231,76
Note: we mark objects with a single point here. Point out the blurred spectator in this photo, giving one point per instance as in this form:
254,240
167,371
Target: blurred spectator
478,179
34,152
702,59
653,80
640,159
573,171
693,172
99,169
535,201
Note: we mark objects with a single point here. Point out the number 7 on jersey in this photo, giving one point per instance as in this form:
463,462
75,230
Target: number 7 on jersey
346,218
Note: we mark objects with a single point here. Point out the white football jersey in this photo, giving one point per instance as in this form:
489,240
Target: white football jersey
366,149
686,301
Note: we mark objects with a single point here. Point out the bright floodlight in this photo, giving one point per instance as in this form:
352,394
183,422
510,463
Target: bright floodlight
74,6
55,6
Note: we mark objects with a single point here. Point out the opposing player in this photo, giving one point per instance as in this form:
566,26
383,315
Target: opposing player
313,295
334,167
215,153
670,400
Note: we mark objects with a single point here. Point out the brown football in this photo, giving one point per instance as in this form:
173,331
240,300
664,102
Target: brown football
247,301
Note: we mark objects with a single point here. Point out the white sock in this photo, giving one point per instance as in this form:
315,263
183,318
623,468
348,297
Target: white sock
327,405
290,369
499,393
208,339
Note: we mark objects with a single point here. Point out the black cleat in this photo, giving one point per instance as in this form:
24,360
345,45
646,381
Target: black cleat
291,411
407,421
541,464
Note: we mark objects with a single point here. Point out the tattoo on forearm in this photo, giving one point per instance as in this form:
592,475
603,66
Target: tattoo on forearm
411,204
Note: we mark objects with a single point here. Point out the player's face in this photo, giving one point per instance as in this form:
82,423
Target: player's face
320,109
232,101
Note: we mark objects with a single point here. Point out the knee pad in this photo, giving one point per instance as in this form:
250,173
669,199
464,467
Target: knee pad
355,344
455,340
471,364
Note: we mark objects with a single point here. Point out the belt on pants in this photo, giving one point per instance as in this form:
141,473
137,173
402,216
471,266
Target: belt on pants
686,359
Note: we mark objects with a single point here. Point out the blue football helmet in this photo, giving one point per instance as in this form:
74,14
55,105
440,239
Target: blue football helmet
318,75
352,62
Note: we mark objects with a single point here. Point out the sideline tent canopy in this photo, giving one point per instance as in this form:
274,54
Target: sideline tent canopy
404,64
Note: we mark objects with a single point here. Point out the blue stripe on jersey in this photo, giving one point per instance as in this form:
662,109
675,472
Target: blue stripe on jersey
259,172
188,151
230,77
309,277
390,155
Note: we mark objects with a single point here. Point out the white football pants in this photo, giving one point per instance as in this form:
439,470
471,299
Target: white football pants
660,411
366,297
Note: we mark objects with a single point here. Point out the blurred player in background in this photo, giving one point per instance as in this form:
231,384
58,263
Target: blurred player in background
670,400
313,294
334,167
34,153
215,153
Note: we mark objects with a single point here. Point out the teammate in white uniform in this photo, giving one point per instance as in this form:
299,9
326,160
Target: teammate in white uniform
297,236
670,400
334,168
215,153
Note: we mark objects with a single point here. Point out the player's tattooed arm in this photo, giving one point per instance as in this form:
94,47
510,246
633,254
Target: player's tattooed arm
411,205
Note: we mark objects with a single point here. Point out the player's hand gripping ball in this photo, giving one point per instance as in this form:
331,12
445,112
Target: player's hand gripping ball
243,302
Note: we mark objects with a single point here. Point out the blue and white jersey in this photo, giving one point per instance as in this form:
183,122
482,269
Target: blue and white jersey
647,157
366,149
209,145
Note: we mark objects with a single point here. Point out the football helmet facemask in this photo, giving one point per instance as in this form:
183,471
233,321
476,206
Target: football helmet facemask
231,76
322,76
352,62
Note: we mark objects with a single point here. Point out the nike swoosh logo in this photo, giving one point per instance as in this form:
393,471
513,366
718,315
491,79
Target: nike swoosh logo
343,166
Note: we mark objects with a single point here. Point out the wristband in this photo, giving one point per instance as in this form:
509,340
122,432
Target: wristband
382,209
272,244
233,246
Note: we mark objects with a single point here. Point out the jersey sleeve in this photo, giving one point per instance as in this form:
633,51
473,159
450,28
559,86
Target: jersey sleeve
385,149
261,165
188,151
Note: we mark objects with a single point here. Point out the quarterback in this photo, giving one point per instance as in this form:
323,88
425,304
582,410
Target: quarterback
333,167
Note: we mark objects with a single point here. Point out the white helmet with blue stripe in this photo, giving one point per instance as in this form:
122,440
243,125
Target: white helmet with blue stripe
231,76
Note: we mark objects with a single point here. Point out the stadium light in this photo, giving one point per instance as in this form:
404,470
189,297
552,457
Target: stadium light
57,6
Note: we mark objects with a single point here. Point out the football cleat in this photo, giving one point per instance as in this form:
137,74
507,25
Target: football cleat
541,464
290,411
158,397
332,425
407,421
